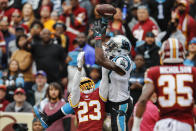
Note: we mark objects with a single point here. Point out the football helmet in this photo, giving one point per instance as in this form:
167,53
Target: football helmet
86,85
172,51
117,45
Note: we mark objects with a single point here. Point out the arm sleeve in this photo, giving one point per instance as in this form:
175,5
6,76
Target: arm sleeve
67,109
74,97
104,85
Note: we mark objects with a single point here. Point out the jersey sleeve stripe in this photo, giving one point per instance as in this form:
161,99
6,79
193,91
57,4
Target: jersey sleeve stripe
148,80
73,106
103,99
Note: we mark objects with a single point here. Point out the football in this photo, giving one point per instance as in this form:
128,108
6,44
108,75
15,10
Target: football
106,10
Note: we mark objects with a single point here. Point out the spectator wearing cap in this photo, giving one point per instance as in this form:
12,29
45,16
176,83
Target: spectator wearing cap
19,104
191,57
45,18
36,125
3,101
59,37
145,24
172,32
149,49
40,86
75,18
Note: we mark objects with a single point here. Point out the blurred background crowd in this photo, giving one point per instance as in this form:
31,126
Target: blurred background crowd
40,41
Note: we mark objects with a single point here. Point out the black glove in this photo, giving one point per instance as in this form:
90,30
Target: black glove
99,27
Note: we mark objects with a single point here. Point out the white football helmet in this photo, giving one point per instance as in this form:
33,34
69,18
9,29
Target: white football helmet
117,45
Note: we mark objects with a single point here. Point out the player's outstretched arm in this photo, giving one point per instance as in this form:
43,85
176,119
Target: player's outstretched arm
99,30
147,92
104,85
75,90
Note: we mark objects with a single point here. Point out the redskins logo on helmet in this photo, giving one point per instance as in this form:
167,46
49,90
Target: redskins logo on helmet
172,51
86,85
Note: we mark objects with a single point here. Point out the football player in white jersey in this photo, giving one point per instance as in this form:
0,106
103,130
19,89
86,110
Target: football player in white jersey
115,56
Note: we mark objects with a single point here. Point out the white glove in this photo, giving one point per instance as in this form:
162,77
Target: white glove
80,59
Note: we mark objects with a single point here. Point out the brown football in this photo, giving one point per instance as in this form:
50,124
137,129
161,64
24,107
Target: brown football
106,10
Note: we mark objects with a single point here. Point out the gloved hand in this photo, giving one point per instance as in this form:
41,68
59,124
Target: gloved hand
99,27
80,59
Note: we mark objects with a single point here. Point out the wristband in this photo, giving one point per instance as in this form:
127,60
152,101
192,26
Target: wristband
98,38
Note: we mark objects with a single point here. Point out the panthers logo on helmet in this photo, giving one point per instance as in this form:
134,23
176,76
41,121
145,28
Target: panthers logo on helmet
172,51
86,85
118,45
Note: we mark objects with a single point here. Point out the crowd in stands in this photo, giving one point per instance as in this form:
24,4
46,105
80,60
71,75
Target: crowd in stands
40,41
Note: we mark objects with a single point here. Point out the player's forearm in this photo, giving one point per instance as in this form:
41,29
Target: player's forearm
141,106
75,90
104,85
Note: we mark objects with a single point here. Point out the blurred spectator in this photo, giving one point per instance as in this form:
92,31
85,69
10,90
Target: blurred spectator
49,57
5,10
12,45
2,49
12,79
145,24
40,86
149,50
28,15
3,101
34,3
24,58
8,37
131,18
186,23
75,19
89,50
160,10
54,16
192,11
36,125
59,36
57,5
95,74
45,18
20,104
55,95
86,4
35,29
136,80
150,116
16,21
172,32
191,57
25,61
116,25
